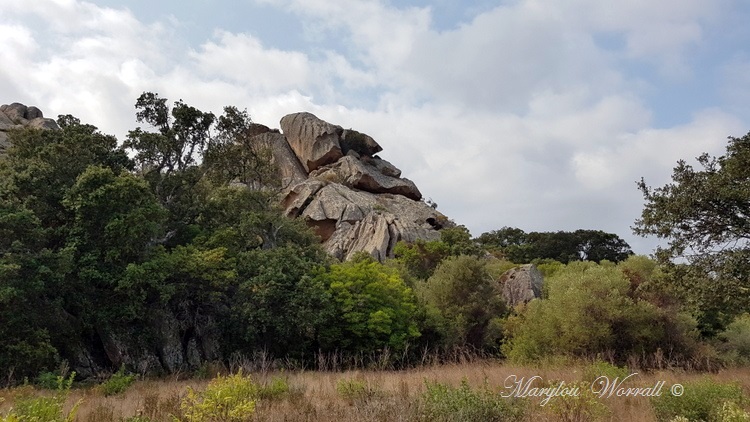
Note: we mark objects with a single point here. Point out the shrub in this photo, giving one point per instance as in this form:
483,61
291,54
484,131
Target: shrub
355,390
117,383
277,388
701,400
226,399
590,311
735,341
374,309
461,300
44,409
443,403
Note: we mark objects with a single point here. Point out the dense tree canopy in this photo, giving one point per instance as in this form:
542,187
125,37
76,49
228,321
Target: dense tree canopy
581,245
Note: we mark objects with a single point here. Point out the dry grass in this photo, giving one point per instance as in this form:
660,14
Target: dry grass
314,397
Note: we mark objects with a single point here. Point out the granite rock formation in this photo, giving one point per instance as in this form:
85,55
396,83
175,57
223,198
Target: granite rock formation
354,200
18,116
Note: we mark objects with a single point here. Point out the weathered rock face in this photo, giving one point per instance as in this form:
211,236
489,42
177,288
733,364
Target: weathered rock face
315,141
17,116
355,201
521,285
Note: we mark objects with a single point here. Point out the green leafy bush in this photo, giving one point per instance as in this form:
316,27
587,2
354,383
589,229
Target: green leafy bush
277,388
374,309
31,408
443,403
701,400
117,383
461,300
229,398
735,341
591,310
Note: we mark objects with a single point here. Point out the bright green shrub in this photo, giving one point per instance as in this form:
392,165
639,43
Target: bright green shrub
374,308
443,403
701,401
117,383
226,399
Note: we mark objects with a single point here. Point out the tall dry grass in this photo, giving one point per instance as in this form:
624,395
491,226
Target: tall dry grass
392,395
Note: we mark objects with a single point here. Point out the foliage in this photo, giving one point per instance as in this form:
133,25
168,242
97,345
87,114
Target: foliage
735,341
600,368
355,390
31,408
443,403
117,383
582,245
703,214
275,389
591,310
701,400
373,307
226,399
461,301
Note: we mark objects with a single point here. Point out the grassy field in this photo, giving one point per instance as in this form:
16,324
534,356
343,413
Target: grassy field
385,395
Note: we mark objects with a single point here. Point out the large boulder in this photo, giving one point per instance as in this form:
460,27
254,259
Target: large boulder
521,285
314,141
359,174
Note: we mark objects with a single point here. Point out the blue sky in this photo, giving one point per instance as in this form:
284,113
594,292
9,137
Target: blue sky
537,114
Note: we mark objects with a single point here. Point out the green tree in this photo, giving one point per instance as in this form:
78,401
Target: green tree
463,304
703,215
373,307
581,245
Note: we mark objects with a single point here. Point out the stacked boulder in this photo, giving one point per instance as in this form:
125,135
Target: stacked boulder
18,116
353,199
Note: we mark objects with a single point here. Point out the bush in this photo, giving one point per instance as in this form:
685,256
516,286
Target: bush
590,310
226,399
43,409
277,388
735,341
702,400
117,383
463,304
355,390
374,309
443,403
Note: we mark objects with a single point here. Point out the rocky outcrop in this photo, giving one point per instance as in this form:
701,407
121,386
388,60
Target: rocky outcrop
358,174
521,285
354,200
314,141
18,116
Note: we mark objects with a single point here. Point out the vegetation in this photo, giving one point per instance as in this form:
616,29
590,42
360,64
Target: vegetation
170,253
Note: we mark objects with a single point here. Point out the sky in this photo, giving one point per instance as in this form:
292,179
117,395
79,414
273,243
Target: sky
536,114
